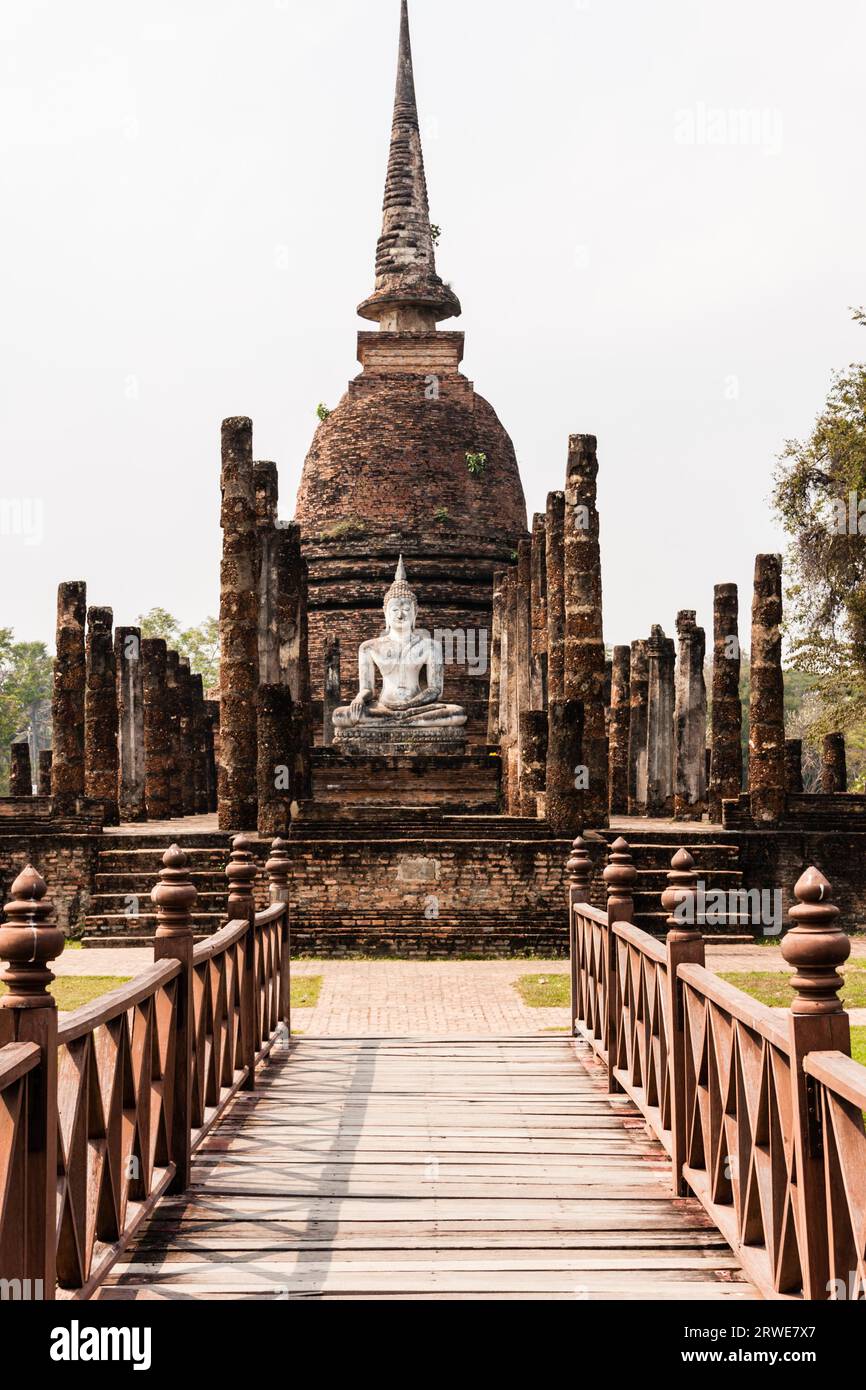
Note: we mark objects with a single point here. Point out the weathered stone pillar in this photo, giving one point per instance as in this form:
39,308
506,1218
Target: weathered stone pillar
20,770
555,567
637,731
794,766
292,634
67,700
661,660
511,741
130,713
524,655
276,759
100,714
200,760
187,738
726,761
239,630
564,804
690,720
538,670
533,771
493,728
267,496
172,701
767,696
504,664
618,735
834,771
212,738
331,694
157,730
584,637
45,760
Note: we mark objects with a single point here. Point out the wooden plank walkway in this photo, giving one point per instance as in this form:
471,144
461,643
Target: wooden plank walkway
415,1168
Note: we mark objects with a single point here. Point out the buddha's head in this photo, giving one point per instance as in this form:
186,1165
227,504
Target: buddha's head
401,606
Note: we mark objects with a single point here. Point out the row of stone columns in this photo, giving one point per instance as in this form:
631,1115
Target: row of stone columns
265,727
547,679
131,727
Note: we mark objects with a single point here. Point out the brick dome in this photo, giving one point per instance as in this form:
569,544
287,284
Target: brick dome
393,455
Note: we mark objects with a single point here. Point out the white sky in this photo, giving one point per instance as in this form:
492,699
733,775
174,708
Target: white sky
192,199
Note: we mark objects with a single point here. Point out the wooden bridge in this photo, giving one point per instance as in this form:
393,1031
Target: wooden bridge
171,1141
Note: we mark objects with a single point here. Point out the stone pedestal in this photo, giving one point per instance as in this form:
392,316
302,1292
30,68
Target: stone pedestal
391,741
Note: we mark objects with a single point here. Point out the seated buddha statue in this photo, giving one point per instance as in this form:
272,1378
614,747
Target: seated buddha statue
400,656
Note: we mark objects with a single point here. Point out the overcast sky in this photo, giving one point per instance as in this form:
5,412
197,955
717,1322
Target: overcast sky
652,211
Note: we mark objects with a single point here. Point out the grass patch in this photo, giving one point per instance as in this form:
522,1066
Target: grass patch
858,1045
305,991
544,991
774,987
71,991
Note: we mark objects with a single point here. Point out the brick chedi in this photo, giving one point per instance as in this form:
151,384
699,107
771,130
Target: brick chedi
411,460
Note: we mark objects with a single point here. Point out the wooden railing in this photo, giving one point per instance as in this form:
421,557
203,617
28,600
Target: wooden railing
760,1111
100,1113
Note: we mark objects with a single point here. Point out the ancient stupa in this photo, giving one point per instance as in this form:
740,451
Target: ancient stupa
412,461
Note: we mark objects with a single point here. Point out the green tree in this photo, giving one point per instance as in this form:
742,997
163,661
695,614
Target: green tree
25,689
200,645
820,498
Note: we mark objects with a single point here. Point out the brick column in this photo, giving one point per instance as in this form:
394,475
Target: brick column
172,703
493,729
130,713
538,672
767,697
332,688
67,700
555,567
726,761
20,770
533,772
834,771
276,759
661,660
637,731
45,760
100,714
565,805
690,721
239,630
212,738
584,638
200,755
157,730
524,655
187,737
510,745
266,485
620,719
292,634
794,766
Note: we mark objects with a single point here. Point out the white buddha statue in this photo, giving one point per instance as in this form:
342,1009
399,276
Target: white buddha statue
400,656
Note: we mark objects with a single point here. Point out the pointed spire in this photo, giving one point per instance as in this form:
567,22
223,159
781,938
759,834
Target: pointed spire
409,295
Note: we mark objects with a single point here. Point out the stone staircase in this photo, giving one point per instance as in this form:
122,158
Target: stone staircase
717,859
121,912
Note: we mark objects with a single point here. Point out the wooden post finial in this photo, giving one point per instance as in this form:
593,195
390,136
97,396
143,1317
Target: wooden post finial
579,869
620,877
241,872
277,869
29,939
174,896
680,899
816,946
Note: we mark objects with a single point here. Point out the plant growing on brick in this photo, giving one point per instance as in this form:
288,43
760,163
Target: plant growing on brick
442,514
476,463
322,411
